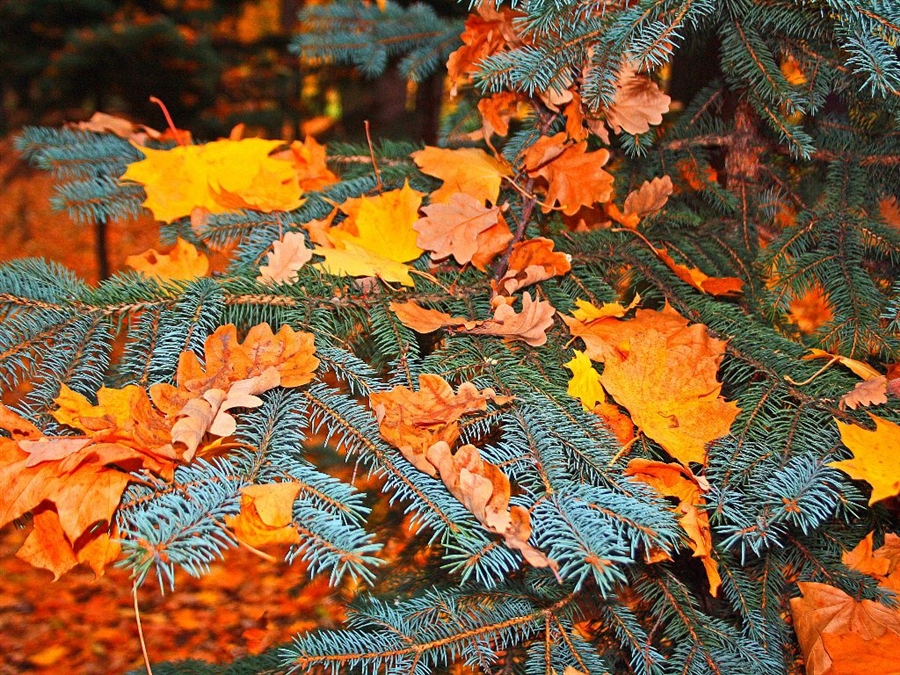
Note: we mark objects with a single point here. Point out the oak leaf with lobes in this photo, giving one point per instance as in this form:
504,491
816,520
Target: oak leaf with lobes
456,228
575,177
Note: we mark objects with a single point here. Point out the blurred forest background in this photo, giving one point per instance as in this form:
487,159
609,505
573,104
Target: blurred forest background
214,64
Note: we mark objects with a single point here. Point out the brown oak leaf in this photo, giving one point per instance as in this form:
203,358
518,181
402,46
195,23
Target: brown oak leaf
530,325
649,198
288,255
453,228
531,261
639,102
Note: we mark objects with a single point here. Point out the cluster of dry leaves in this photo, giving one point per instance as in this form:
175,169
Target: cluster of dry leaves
659,376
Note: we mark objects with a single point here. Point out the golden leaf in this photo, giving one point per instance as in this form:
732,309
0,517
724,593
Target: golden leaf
182,262
468,170
221,176
585,383
876,456
267,515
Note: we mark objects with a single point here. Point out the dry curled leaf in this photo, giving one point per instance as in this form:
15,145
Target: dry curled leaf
649,198
487,31
674,480
485,491
424,320
267,514
413,421
531,261
718,286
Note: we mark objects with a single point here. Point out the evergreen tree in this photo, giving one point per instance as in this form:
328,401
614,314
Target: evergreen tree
532,528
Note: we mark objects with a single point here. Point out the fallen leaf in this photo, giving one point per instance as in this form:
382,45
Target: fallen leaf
718,286
876,456
639,102
376,238
669,387
423,320
674,480
487,31
182,262
453,228
575,176
835,631
810,311
413,421
485,491
531,261
288,255
863,559
585,383
221,176
308,160
530,325
866,393
267,515
860,369
468,170
649,198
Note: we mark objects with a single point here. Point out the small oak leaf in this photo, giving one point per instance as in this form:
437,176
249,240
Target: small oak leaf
649,198
452,228
530,325
288,255
468,170
639,102
876,456
182,262
866,393
531,261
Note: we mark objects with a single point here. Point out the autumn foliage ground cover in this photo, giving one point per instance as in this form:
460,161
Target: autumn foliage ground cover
622,408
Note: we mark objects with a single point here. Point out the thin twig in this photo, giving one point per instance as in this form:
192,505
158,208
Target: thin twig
137,618
179,138
378,184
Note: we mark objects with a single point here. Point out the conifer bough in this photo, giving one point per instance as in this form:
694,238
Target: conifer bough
618,360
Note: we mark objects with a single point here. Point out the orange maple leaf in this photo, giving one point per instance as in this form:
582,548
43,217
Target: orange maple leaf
664,373
838,634
575,176
876,456
454,228
531,261
468,170
308,159
182,262
810,311
266,515
674,480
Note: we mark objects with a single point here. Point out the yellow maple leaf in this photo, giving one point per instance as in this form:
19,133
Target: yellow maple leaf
585,383
220,176
376,238
467,170
876,456
182,262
